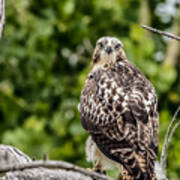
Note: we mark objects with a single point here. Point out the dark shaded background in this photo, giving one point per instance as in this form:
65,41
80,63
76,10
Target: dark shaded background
44,59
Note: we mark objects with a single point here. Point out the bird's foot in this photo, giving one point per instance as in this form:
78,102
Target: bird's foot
120,177
99,169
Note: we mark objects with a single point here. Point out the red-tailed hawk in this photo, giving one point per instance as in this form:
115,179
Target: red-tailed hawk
118,107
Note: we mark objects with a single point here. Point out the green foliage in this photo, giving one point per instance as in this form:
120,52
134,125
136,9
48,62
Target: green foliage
44,59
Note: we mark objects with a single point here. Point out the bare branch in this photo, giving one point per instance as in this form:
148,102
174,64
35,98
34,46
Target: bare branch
169,35
2,16
53,165
173,131
44,174
168,136
14,162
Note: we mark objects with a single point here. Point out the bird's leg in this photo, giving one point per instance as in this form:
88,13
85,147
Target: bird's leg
98,168
154,177
120,177
124,175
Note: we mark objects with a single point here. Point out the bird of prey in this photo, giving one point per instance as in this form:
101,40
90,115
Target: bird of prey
118,107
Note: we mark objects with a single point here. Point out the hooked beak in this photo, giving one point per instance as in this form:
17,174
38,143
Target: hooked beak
108,49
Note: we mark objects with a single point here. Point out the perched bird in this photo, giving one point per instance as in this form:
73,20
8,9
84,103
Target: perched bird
118,107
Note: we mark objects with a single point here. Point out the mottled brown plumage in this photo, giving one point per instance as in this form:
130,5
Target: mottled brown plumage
118,107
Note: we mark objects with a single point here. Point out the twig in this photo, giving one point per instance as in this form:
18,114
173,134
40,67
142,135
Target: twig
173,131
169,35
169,134
2,16
52,164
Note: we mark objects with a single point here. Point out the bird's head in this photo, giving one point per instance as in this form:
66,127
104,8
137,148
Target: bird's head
108,50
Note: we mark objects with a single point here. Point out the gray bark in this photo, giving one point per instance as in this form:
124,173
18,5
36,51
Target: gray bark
18,166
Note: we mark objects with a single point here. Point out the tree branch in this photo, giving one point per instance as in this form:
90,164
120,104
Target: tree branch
168,136
18,164
53,165
2,16
169,35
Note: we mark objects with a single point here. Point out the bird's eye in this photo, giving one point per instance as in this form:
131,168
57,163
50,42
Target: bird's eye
90,76
100,45
117,46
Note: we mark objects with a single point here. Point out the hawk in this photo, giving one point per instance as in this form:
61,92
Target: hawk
118,107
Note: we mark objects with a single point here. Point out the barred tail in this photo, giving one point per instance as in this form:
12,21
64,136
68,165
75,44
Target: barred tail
139,167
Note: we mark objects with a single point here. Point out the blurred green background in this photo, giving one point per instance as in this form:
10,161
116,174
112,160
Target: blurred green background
44,58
